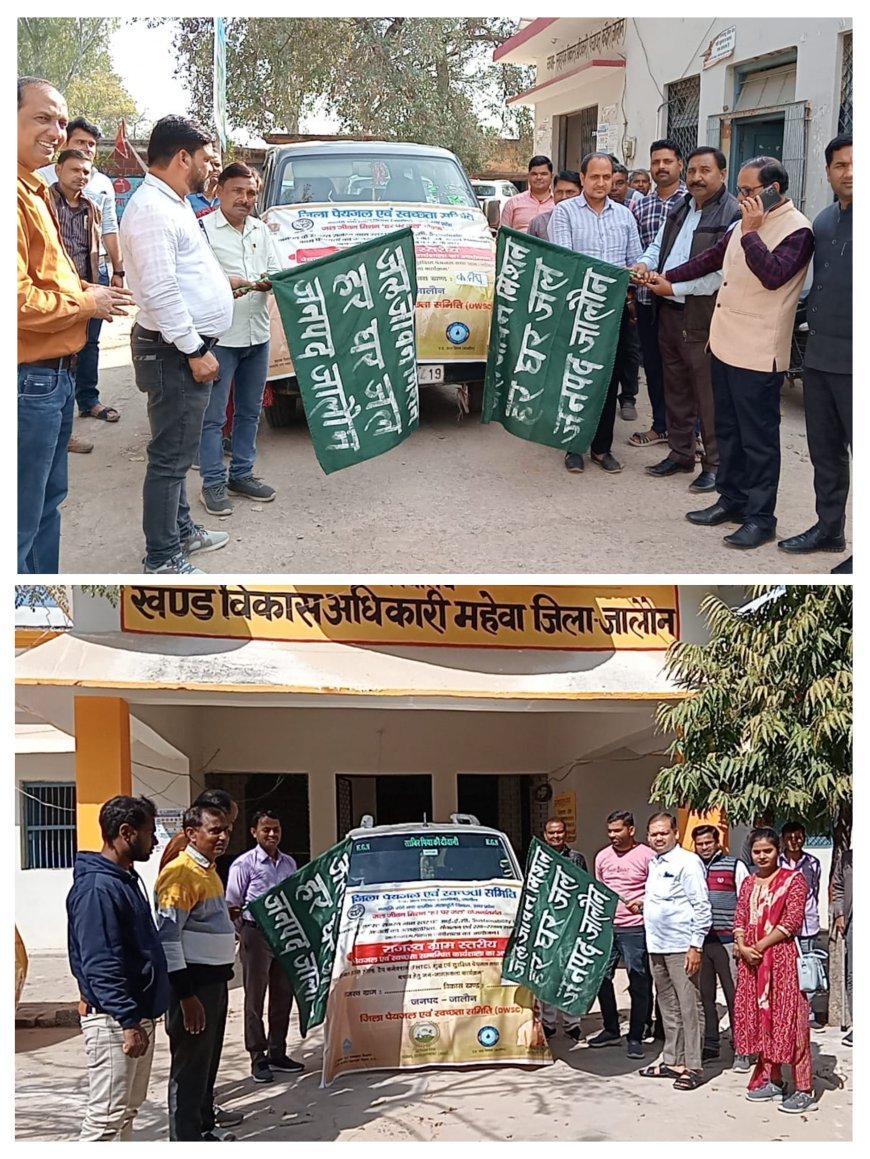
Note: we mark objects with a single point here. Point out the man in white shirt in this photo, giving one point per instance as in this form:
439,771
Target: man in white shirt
186,305
243,246
83,135
677,916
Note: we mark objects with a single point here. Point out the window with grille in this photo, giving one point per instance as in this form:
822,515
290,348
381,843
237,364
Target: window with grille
49,824
844,125
684,103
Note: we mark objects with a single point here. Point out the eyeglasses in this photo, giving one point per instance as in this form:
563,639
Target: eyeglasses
748,190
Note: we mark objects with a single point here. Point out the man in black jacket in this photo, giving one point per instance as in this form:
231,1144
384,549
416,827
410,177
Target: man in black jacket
827,373
697,222
118,962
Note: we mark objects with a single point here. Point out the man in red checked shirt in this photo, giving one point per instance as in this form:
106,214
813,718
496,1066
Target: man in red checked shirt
763,261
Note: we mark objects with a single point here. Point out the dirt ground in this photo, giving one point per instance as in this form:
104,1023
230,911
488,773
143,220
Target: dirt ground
457,497
590,1095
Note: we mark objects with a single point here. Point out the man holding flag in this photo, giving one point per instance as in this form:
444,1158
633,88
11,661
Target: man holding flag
594,225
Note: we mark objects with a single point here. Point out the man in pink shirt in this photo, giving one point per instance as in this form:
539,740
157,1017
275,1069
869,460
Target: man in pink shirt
538,198
623,865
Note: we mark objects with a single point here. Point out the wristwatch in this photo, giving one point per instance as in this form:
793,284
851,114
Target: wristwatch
200,351
119,273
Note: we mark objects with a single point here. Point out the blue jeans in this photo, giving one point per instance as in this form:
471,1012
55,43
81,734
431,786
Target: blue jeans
248,366
45,420
87,394
630,945
176,405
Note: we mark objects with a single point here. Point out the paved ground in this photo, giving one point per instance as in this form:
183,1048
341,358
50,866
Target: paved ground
457,497
585,1095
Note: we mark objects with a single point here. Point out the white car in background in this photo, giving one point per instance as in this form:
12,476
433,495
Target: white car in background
497,191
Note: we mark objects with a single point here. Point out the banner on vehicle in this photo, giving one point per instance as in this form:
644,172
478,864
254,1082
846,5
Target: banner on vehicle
418,981
349,322
553,342
561,943
299,917
455,268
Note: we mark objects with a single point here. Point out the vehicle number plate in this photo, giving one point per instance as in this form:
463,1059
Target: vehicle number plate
429,374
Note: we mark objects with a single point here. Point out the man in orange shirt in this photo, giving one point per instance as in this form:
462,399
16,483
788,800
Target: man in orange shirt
519,210
54,307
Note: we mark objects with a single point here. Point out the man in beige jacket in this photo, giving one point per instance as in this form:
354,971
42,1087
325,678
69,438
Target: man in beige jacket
763,261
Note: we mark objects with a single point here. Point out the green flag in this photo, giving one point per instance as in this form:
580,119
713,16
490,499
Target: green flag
555,329
561,942
349,321
299,917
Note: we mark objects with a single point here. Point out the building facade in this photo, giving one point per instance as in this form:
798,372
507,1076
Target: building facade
749,86
507,703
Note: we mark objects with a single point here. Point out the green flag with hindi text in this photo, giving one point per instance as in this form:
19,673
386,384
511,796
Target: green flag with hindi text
563,934
552,345
299,917
349,321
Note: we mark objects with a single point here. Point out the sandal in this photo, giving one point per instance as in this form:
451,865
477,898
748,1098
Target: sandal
689,1080
647,438
660,1071
107,413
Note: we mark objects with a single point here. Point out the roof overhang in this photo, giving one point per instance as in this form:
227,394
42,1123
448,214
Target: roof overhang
171,669
575,80
519,48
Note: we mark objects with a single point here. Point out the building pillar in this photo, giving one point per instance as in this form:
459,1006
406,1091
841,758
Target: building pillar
103,766
444,795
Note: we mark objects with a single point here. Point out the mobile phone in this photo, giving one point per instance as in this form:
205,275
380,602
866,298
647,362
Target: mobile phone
769,197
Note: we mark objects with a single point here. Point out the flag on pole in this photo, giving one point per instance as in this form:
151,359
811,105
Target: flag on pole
220,79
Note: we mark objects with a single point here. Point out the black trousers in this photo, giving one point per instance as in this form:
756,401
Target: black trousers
648,333
628,374
828,411
194,1066
603,440
747,430
261,970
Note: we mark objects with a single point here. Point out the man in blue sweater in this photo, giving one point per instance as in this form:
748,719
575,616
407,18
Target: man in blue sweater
118,962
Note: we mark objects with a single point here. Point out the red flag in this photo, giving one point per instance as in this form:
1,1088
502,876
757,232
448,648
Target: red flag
122,147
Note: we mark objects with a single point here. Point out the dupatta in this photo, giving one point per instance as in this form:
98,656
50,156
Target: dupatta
767,911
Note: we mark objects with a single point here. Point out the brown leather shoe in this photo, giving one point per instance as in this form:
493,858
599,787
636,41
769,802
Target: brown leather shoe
79,446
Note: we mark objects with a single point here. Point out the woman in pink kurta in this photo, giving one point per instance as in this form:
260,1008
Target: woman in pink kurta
771,1013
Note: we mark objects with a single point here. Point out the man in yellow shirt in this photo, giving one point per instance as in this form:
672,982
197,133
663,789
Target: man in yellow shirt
54,307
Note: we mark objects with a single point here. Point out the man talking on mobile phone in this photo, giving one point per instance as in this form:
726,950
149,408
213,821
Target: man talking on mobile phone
763,262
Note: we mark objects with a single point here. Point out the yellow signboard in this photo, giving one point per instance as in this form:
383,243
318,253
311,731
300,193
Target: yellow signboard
565,808
577,618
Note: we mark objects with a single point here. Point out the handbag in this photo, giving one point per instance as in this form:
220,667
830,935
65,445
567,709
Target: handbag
812,976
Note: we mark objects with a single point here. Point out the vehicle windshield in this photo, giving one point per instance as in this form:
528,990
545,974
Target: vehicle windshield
358,178
430,856
484,190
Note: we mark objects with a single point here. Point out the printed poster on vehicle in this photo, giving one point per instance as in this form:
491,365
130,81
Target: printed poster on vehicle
349,321
455,268
554,339
417,980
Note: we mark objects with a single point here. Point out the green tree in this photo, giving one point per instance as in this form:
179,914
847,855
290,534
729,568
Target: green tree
768,731
397,78
74,54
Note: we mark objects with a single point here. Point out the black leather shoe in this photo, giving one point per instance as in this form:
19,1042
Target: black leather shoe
574,463
667,467
751,534
844,568
703,481
818,538
713,516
